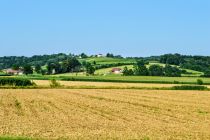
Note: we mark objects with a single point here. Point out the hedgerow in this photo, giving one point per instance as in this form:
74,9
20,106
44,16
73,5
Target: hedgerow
189,87
15,82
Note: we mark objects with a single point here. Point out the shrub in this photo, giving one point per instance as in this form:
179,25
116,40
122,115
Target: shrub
156,70
15,82
176,82
54,83
206,73
189,87
199,82
172,71
127,72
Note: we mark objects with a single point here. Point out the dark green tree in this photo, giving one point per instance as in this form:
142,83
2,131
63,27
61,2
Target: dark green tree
38,68
140,68
207,73
27,69
50,68
109,55
90,70
72,65
94,62
127,72
172,71
15,67
156,70
83,55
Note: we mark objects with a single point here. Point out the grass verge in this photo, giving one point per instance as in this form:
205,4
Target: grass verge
17,138
182,87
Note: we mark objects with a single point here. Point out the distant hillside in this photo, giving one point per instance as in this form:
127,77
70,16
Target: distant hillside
196,63
9,61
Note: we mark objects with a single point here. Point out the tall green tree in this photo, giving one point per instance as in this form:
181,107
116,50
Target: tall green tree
15,67
172,71
156,70
127,72
83,55
27,69
140,68
72,65
90,70
38,68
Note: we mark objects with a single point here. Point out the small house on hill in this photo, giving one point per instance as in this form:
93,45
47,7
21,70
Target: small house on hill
13,72
99,55
117,70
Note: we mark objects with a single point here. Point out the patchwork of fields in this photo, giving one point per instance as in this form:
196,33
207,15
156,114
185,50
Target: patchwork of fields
105,114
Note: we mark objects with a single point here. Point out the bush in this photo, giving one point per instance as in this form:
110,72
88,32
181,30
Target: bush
156,70
54,83
199,82
127,72
176,82
172,71
15,82
189,87
206,73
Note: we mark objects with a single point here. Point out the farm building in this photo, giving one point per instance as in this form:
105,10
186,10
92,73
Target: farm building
13,72
99,55
117,70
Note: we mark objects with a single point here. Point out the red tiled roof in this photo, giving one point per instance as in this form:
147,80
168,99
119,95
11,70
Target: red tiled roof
116,69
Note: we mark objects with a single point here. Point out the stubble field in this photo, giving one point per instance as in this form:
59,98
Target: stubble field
81,84
105,114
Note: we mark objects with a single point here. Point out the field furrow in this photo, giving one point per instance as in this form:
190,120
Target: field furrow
105,114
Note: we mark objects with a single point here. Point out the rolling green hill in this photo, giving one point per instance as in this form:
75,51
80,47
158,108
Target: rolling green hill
107,60
107,70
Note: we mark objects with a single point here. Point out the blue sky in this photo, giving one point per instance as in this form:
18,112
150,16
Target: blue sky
126,27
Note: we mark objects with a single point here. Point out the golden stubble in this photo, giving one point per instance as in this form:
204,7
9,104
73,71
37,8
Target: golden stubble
103,84
105,113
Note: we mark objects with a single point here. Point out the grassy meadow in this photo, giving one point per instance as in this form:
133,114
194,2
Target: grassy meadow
121,79
106,60
107,71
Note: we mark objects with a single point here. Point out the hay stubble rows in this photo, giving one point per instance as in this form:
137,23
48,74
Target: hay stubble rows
105,113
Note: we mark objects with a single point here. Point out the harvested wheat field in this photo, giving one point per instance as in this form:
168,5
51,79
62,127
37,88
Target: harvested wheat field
105,114
79,84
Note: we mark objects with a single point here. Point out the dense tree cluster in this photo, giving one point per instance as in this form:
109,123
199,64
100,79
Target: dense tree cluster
113,56
172,71
140,69
16,61
83,55
61,63
89,68
173,59
198,63
27,69
68,65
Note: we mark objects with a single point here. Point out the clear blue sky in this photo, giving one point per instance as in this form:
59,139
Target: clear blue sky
126,27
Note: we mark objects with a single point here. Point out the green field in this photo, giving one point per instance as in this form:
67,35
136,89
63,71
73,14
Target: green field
119,78
106,60
107,71
155,79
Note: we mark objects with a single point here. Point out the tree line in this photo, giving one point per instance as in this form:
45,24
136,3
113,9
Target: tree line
198,63
69,65
140,69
